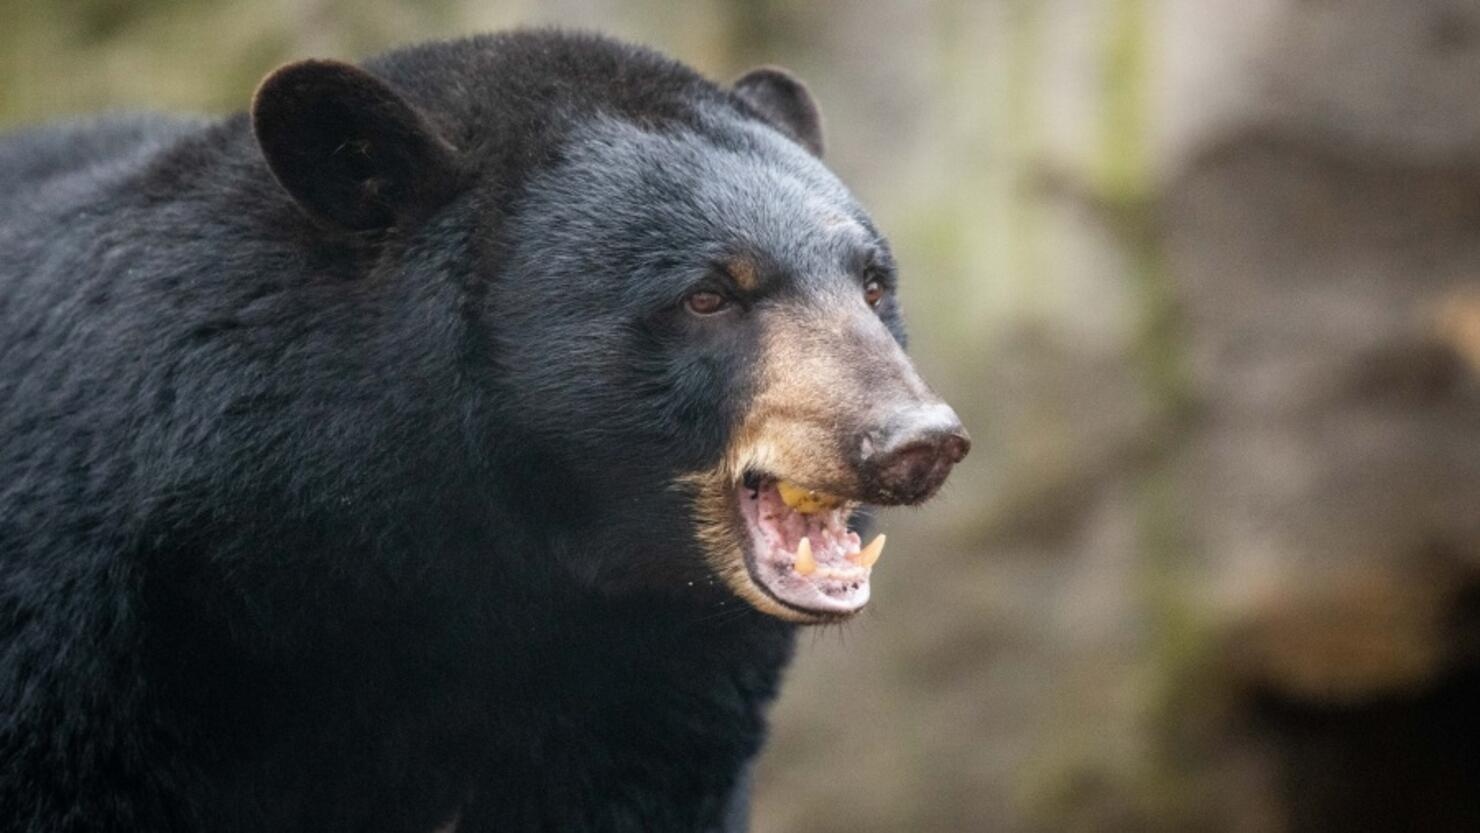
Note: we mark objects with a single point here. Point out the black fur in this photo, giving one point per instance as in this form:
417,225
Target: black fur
336,513
348,148
783,99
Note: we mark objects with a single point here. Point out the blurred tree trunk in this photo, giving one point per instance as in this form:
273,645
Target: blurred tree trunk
1309,519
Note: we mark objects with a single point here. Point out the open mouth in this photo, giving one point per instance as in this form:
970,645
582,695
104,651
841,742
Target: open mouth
801,551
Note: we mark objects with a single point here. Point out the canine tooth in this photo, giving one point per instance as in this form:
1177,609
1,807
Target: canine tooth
805,563
870,553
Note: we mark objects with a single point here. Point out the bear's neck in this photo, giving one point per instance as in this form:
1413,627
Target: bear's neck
647,709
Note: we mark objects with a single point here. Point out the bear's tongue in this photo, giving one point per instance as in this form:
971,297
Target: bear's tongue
807,560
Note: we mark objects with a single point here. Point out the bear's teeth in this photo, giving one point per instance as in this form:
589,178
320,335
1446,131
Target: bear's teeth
806,501
869,555
805,563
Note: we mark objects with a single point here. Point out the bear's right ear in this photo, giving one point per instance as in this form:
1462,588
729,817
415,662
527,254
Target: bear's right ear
348,148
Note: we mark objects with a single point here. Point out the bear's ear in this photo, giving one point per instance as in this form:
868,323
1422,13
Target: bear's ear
349,148
784,101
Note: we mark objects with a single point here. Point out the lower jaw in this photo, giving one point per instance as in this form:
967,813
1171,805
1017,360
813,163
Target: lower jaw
826,583
811,603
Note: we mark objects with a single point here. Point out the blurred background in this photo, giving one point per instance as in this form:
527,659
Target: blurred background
1203,279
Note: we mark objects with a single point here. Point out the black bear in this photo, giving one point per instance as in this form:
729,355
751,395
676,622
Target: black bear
452,443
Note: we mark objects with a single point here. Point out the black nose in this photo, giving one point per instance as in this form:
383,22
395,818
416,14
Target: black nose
909,459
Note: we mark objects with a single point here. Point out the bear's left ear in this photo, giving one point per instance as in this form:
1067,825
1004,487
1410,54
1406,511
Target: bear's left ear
784,101
348,147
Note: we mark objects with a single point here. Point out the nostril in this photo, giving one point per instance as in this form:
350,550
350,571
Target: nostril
916,457
921,464
926,452
956,446
950,443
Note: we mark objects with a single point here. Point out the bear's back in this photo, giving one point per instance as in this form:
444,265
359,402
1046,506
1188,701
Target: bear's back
87,151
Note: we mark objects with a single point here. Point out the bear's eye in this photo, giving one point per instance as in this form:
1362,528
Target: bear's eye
873,292
706,303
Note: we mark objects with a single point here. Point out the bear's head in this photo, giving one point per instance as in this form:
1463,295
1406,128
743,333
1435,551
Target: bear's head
692,328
